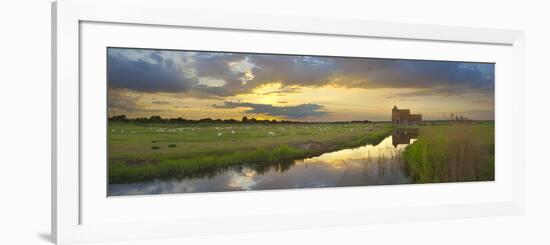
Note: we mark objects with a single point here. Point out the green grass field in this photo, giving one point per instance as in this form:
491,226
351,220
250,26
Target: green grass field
452,152
143,151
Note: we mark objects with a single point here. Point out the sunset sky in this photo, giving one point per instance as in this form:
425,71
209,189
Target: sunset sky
196,85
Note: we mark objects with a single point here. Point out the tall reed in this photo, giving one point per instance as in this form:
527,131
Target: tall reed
460,151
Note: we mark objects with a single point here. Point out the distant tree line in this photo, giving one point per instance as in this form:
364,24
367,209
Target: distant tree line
158,119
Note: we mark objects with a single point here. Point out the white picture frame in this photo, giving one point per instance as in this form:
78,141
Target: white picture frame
68,17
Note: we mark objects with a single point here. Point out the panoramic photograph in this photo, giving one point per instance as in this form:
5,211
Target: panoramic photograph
183,121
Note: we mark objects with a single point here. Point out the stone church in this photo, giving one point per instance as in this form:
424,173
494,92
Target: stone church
404,116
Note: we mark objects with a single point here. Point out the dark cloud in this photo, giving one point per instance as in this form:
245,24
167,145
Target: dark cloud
223,66
293,70
216,65
148,71
375,73
421,74
180,71
298,111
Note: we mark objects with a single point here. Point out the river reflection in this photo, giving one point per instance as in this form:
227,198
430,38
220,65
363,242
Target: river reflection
379,164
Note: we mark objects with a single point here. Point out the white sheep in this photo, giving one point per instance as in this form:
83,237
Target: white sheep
271,134
219,134
232,131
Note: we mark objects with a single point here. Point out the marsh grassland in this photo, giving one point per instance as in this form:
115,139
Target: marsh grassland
140,152
149,158
452,152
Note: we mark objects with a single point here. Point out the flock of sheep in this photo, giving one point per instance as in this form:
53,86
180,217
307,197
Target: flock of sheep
231,130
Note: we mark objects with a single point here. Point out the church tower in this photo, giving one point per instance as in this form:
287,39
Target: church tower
395,115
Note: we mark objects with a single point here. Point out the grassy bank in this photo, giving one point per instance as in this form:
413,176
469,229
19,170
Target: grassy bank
139,152
452,152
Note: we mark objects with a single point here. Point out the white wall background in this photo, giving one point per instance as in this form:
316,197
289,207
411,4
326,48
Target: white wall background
25,122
